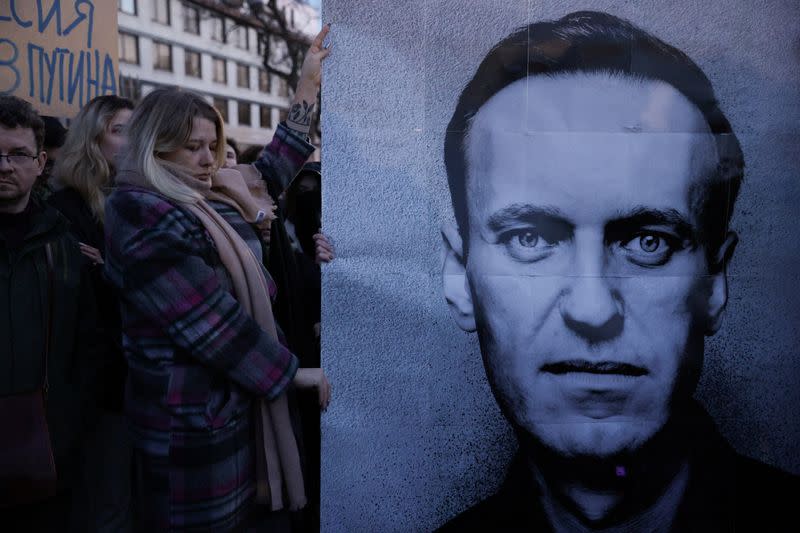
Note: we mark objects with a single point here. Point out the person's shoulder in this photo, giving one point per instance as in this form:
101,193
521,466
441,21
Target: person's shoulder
498,512
475,518
758,481
65,198
70,203
143,209
765,496
133,197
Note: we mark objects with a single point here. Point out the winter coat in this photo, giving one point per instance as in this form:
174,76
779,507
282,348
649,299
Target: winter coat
74,343
196,360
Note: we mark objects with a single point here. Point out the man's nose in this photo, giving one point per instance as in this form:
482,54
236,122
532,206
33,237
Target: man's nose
591,305
5,165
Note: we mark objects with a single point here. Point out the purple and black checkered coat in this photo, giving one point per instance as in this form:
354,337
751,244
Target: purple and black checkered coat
196,359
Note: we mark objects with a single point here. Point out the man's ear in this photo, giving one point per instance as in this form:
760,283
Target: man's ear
718,297
454,279
41,160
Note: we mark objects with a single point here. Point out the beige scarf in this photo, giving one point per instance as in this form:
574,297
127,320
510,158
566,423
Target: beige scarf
277,456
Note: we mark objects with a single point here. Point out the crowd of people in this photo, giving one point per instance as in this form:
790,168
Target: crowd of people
160,325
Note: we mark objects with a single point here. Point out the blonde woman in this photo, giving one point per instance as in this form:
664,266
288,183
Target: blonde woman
86,165
206,395
81,178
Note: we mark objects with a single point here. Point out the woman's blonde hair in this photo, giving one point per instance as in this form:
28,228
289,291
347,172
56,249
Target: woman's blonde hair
161,124
81,165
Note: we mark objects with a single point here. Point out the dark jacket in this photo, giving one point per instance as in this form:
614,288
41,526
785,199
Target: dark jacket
726,492
73,351
88,230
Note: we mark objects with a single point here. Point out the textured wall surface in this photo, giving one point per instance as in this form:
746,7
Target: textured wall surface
413,435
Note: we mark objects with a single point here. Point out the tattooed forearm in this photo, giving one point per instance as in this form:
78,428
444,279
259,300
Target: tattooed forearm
300,116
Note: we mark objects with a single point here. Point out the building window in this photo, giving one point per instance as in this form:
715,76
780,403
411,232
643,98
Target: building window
162,56
282,115
220,70
128,48
265,115
260,48
222,106
244,113
191,19
263,81
130,88
242,76
161,11
218,29
283,87
239,37
192,63
127,6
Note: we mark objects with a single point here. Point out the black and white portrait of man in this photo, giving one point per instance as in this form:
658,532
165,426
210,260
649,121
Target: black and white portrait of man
567,285
593,175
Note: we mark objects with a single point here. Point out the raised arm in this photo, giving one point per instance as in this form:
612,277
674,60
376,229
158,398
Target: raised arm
284,156
301,112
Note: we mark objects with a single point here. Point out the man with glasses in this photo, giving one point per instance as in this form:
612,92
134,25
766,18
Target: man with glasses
46,313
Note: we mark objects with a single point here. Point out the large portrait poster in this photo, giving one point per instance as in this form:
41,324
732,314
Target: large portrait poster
567,284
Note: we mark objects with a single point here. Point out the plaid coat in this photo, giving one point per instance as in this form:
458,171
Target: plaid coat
196,359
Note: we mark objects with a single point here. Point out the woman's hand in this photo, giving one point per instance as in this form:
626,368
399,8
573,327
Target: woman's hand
301,111
92,253
323,249
311,71
310,378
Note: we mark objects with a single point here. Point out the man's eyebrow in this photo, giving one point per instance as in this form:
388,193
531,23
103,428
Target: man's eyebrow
527,213
647,216
22,149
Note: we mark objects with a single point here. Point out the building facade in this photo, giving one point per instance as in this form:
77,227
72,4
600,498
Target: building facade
210,48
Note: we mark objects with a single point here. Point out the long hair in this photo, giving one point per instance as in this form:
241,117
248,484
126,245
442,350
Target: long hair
161,124
81,165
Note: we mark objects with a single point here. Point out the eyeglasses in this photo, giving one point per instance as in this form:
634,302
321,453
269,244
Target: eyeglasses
18,160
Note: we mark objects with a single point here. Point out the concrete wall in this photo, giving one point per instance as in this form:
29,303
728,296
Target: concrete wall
413,435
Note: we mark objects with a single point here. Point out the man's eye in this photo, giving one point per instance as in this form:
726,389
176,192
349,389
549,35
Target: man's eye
527,244
650,249
527,239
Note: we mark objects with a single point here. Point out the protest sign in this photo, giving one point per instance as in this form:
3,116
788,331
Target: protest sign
58,54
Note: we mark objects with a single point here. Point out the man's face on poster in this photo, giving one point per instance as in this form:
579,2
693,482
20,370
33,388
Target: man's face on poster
585,279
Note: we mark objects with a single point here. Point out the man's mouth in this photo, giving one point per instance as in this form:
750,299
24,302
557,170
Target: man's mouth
594,367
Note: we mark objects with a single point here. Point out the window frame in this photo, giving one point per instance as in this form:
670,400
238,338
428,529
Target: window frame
135,7
187,52
246,68
283,87
126,82
268,109
239,104
185,8
241,29
223,38
168,12
223,109
214,62
264,74
156,57
122,57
